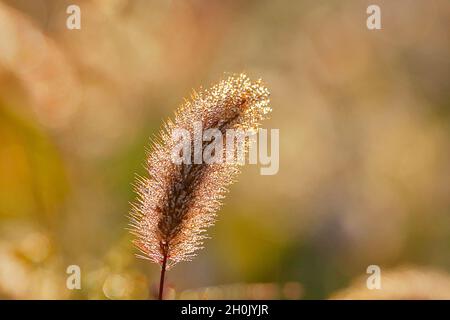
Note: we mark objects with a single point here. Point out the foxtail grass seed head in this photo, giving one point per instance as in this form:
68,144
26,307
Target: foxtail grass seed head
177,202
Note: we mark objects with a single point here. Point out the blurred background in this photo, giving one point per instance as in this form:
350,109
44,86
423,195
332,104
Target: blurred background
364,146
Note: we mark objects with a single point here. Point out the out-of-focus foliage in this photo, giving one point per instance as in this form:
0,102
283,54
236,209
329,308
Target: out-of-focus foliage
402,283
364,141
247,291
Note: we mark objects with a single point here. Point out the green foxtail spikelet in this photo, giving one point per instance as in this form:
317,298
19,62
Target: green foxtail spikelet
176,203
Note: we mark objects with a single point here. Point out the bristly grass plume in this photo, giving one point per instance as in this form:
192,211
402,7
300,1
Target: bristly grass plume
176,203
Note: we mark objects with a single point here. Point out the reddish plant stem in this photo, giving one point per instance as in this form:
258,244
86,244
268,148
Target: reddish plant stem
161,281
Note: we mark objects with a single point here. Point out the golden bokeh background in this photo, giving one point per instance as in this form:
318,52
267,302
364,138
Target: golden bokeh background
364,119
